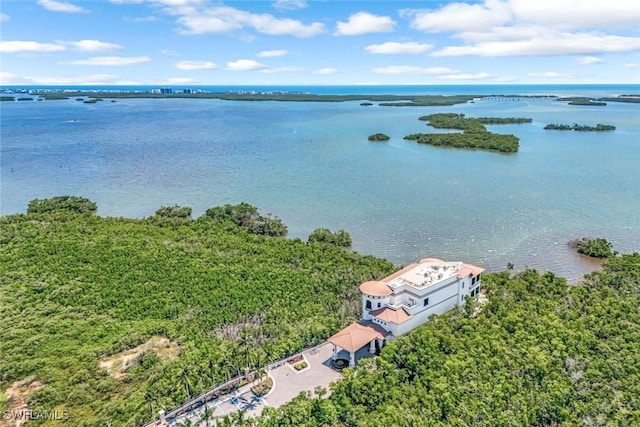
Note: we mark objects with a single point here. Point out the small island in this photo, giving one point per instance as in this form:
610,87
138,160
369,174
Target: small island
366,104
595,248
580,100
377,137
474,135
580,128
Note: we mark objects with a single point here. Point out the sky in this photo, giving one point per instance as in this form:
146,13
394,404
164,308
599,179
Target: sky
305,42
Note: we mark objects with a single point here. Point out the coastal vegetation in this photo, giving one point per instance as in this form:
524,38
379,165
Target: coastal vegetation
7,98
474,134
62,203
392,100
323,235
378,137
503,120
247,216
593,247
580,128
580,100
112,319
538,352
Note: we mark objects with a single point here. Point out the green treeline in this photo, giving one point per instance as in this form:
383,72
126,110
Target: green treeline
395,100
580,100
474,134
503,120
581,128
324,235
539,353
76,287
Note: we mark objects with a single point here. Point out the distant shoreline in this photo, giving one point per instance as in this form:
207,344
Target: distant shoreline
386,100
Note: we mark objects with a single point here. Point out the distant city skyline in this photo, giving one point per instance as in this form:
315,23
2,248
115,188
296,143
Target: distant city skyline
299,42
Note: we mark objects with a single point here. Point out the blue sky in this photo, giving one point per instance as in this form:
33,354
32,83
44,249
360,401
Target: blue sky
304,42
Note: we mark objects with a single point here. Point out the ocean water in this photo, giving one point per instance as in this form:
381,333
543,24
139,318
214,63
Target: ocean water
311,165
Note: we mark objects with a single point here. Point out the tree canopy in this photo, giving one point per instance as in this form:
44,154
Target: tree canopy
539,352
247,216
324,235
77,290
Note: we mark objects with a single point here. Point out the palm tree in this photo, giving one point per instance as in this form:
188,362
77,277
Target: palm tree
186,381
206,415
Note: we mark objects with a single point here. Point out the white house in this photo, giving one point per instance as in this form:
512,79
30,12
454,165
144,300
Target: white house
404,300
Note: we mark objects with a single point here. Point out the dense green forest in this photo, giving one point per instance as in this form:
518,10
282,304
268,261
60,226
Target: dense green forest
538,353
214,297
77,289
474,134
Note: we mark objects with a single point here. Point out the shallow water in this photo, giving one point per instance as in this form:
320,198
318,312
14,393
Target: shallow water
311,165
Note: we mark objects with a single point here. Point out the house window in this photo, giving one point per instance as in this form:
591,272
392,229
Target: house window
368,305
378,305
426,302
462,285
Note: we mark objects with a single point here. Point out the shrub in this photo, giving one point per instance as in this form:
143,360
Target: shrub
323,235
596,248
247,216
62,203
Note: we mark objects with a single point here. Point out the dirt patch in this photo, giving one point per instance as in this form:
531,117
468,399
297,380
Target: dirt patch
117,364
17,395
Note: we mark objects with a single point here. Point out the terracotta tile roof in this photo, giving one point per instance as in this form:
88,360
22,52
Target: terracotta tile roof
375,288
389,315
469,270
357,335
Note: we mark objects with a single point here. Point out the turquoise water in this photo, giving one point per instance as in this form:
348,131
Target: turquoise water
311,165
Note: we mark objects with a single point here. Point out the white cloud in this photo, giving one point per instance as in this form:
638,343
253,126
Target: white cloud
364,23
245,65
550,75
524,27
290,4
93,79
196,65
465,76
272,53
631,65
407,69
399,48
565,14
281,70
568,14
587,60
93,45
547,44
60,6
326,71
4,17
220,19
179,80
28,46
111,61
459,17
150,18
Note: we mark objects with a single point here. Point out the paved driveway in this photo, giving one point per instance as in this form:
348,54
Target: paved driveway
288,383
